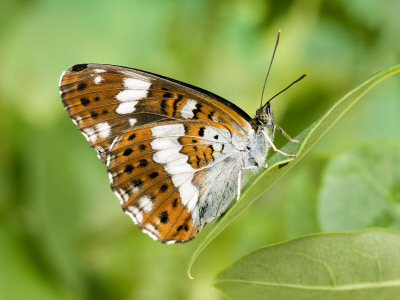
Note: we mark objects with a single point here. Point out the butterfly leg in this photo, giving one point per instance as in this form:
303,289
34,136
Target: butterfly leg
285,134
274,147
240,180
239,184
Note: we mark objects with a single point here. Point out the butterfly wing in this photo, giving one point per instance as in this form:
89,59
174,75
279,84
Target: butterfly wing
104,100
165,144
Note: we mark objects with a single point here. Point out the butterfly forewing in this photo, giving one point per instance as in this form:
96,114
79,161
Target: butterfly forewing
165,144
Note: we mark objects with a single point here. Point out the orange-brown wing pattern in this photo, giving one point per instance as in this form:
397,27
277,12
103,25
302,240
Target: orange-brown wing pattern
156,172
105,100
146,190
165,144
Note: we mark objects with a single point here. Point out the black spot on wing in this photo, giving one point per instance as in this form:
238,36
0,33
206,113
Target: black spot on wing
164,187
94,114
127,152
203,210
137,182
196,110
143,162
198,160
167,95
164,217
201,131
79,67
153,175
81,86
85,101
128,169
164,106
176,101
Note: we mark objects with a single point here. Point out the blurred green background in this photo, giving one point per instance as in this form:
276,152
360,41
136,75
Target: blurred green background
62,232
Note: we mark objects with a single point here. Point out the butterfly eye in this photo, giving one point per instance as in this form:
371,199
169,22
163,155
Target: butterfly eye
264,118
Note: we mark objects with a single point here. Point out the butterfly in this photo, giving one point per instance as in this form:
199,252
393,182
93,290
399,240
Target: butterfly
176,155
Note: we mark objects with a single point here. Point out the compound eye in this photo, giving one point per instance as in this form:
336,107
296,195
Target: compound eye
264,118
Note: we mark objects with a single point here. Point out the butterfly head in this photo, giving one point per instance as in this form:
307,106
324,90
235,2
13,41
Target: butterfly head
264,116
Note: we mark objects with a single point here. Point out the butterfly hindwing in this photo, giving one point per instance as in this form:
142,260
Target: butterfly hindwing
161,172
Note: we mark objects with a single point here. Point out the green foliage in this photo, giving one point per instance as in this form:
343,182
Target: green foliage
361,189
352,265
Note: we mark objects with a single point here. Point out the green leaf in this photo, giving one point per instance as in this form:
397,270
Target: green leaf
364,180
279,165
352,265
300,204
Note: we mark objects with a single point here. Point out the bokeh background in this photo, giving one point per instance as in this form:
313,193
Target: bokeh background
62,232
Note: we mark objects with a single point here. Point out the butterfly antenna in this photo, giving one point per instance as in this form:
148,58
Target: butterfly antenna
297,80
270,64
